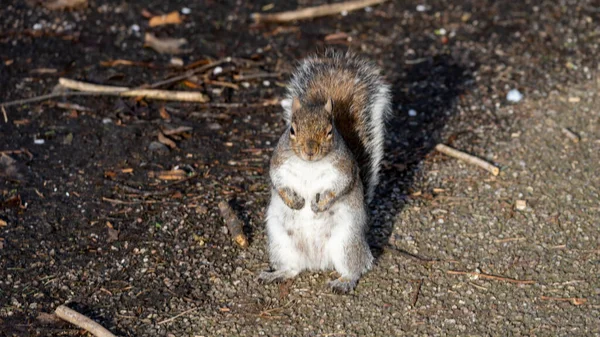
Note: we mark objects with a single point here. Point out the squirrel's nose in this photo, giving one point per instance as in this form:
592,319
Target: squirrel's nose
311,148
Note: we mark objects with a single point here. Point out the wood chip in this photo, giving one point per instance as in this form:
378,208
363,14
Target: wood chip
64,4
169,175
177,130
520,205
234,224
3,223
165,140
571,135
165,45
172,18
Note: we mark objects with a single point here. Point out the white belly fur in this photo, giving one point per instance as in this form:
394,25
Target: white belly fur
302,239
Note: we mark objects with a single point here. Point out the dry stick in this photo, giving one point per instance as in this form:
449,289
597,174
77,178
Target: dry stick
177,316
82,321
490,277
315,12
266,103
186,96
4,113
467,158
571,135
51,96
416,294
573,300
190,73
234,224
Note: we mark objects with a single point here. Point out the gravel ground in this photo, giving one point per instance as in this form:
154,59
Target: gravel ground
85,221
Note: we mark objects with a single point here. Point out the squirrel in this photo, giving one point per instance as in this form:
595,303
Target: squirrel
325,168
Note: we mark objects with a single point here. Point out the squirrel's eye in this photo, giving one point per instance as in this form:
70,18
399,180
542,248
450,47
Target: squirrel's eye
292,131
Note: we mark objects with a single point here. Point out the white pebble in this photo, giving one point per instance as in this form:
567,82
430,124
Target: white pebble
67,194
39,141
217,70
37,26
412,113
514,96
106,121
368,9
177,61
245,84
421,8
520,205
135,28
186,11
344,13
266,83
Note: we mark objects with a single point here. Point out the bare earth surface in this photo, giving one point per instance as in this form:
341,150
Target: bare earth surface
88,222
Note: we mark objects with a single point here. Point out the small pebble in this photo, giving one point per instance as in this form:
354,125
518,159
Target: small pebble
37,26
106,121
245,85
421,8
514,96
520,205
217,70
266,83
344,13
412,113
39,141
368,9
177,61
186,11
135,28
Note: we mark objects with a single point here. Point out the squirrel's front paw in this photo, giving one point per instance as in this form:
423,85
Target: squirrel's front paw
291,198
322,201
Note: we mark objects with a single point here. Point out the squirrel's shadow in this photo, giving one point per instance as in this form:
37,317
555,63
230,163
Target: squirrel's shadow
424,100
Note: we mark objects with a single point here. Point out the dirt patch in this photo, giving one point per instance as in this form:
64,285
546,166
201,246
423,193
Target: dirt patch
89,222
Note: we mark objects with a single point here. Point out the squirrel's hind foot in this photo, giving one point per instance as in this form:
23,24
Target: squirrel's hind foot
343,285
275,276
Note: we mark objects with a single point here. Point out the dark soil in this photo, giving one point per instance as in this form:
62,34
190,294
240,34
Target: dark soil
89,224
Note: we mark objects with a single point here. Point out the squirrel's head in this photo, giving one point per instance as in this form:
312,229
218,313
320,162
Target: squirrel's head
311,131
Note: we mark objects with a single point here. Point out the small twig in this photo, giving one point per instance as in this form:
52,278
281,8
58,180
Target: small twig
4,114
177,316
508,240
22,150
121,202
186,96
82,321
573,300
269,102
315,12
51,96
234,224
73,106
490,277
467,158
242,77
402,252
571,135
416,293
190,73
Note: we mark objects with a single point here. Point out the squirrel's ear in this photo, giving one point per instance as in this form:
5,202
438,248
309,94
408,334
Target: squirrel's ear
329,105
296,105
